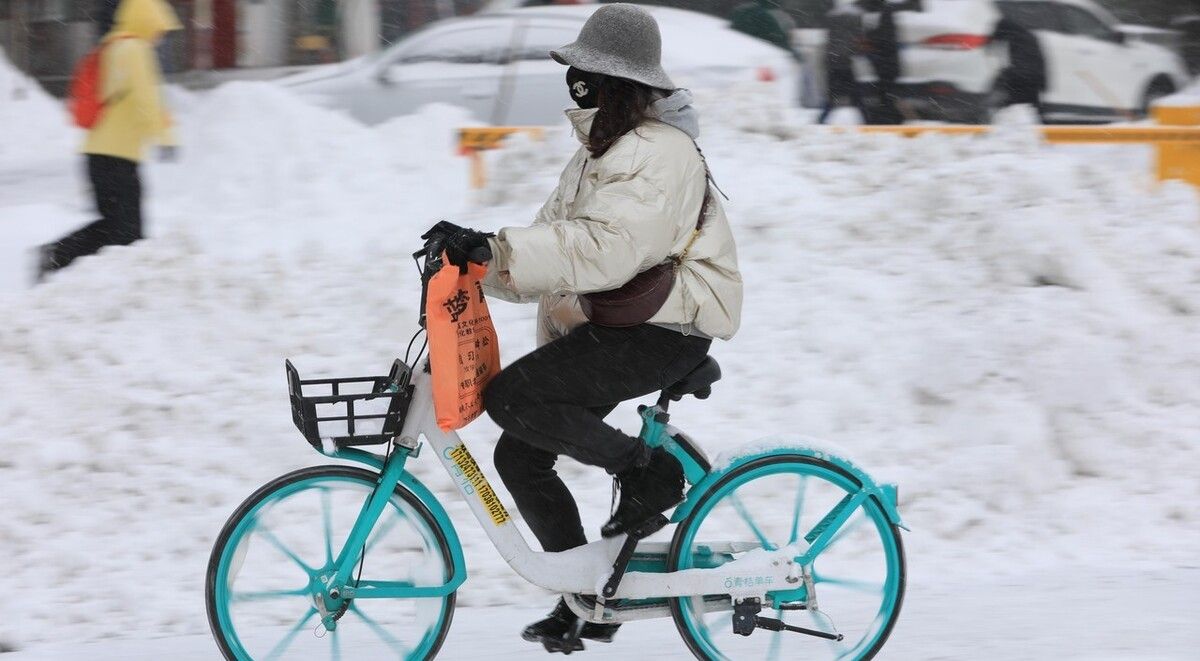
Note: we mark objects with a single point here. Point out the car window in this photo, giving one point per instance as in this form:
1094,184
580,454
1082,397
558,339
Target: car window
460,45
1032,15
1084,24
537,40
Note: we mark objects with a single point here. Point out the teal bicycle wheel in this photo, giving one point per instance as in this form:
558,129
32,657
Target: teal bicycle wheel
264,573
857,582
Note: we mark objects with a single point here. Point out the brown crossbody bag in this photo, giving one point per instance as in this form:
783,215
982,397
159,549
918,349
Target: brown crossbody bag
641,298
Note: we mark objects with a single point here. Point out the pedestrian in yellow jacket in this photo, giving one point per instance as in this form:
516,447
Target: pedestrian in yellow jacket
133,118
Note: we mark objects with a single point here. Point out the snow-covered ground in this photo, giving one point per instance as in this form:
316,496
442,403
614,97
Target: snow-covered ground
1105,616
1009,331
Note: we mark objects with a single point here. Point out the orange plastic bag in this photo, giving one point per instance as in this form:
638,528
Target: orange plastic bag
463,352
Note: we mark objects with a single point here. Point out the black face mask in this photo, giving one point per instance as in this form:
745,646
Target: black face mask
584,87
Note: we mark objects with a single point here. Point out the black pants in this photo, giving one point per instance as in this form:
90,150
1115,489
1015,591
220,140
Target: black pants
842,87
1022,88
118,192
553,402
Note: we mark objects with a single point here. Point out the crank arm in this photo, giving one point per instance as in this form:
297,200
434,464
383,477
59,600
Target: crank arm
771,624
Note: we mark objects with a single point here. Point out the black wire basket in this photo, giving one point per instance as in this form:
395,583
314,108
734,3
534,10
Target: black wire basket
365,410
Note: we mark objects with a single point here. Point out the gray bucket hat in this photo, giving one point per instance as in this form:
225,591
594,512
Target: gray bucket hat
619,40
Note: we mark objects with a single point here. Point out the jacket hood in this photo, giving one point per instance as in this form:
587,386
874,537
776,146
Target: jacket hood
677,110
145,19
674,109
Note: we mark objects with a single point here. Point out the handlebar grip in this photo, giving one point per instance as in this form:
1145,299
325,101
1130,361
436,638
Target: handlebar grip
480,255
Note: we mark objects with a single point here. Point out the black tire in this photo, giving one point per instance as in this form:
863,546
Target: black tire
983,110
673,553
981,113
363,475
1160,87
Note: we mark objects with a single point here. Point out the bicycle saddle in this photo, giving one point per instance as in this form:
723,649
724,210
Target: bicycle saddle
698,382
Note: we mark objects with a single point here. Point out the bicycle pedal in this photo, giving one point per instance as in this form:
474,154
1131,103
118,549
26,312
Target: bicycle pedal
561,646
569,642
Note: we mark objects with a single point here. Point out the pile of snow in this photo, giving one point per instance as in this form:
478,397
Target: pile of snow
1008,330
265,169
33,125
1188,96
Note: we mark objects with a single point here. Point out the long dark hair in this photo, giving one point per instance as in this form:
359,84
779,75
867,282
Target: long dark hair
621,107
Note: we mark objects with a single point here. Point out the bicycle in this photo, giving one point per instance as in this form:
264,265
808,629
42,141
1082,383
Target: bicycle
770,528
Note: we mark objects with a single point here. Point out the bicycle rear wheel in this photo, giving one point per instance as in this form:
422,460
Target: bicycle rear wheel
857,581
265,570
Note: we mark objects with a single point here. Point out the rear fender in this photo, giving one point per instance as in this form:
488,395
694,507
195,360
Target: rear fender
885,494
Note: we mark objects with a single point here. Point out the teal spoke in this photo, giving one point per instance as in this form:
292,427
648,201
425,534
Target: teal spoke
282,645
849,583
270,536
839,647
388,638
383,531
712,627
745,514
773,649
797,510
264,595
721,623
326,519
335,646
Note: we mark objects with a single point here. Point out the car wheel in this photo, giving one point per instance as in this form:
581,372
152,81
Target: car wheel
1158,89
984,110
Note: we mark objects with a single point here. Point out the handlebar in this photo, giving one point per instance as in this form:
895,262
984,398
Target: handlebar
429,259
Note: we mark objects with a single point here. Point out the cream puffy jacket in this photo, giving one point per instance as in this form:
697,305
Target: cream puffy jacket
611,218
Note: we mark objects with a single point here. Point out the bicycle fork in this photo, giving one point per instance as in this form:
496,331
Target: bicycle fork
337,593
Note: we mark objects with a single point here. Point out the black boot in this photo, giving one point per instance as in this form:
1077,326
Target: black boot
646,492
557,633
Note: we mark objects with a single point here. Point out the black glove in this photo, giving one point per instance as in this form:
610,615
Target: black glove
441,231
461,244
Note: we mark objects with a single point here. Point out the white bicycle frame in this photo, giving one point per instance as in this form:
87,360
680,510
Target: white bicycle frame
585,569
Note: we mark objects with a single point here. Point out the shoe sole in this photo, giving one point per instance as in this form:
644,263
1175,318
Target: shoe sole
645,528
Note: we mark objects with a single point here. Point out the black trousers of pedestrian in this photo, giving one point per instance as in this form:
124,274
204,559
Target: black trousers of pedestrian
118,192
842,86
553,401
1023,88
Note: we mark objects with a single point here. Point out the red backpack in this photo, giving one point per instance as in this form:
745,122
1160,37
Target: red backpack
84,101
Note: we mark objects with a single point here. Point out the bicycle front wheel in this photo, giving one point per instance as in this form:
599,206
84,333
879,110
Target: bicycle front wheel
264,575
853,588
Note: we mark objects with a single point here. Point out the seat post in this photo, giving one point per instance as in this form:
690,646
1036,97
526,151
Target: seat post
664,402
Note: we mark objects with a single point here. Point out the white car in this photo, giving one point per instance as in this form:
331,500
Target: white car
950,66
497,65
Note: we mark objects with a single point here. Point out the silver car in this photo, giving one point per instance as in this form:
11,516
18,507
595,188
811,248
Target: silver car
497,66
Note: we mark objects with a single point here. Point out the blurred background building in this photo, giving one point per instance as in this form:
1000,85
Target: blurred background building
46,37
240,38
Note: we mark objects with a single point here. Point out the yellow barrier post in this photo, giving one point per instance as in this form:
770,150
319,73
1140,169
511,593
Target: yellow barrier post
472,142
1177,140
1179,160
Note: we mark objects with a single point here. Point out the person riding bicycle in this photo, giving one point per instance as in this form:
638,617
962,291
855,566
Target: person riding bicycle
628,200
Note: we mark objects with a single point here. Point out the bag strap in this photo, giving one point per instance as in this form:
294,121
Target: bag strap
104,46
708,179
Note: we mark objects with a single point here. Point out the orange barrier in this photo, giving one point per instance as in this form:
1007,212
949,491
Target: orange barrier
1180,159
473,141
1176,138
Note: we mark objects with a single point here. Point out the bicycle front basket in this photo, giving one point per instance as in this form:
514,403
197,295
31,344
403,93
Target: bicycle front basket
365,410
